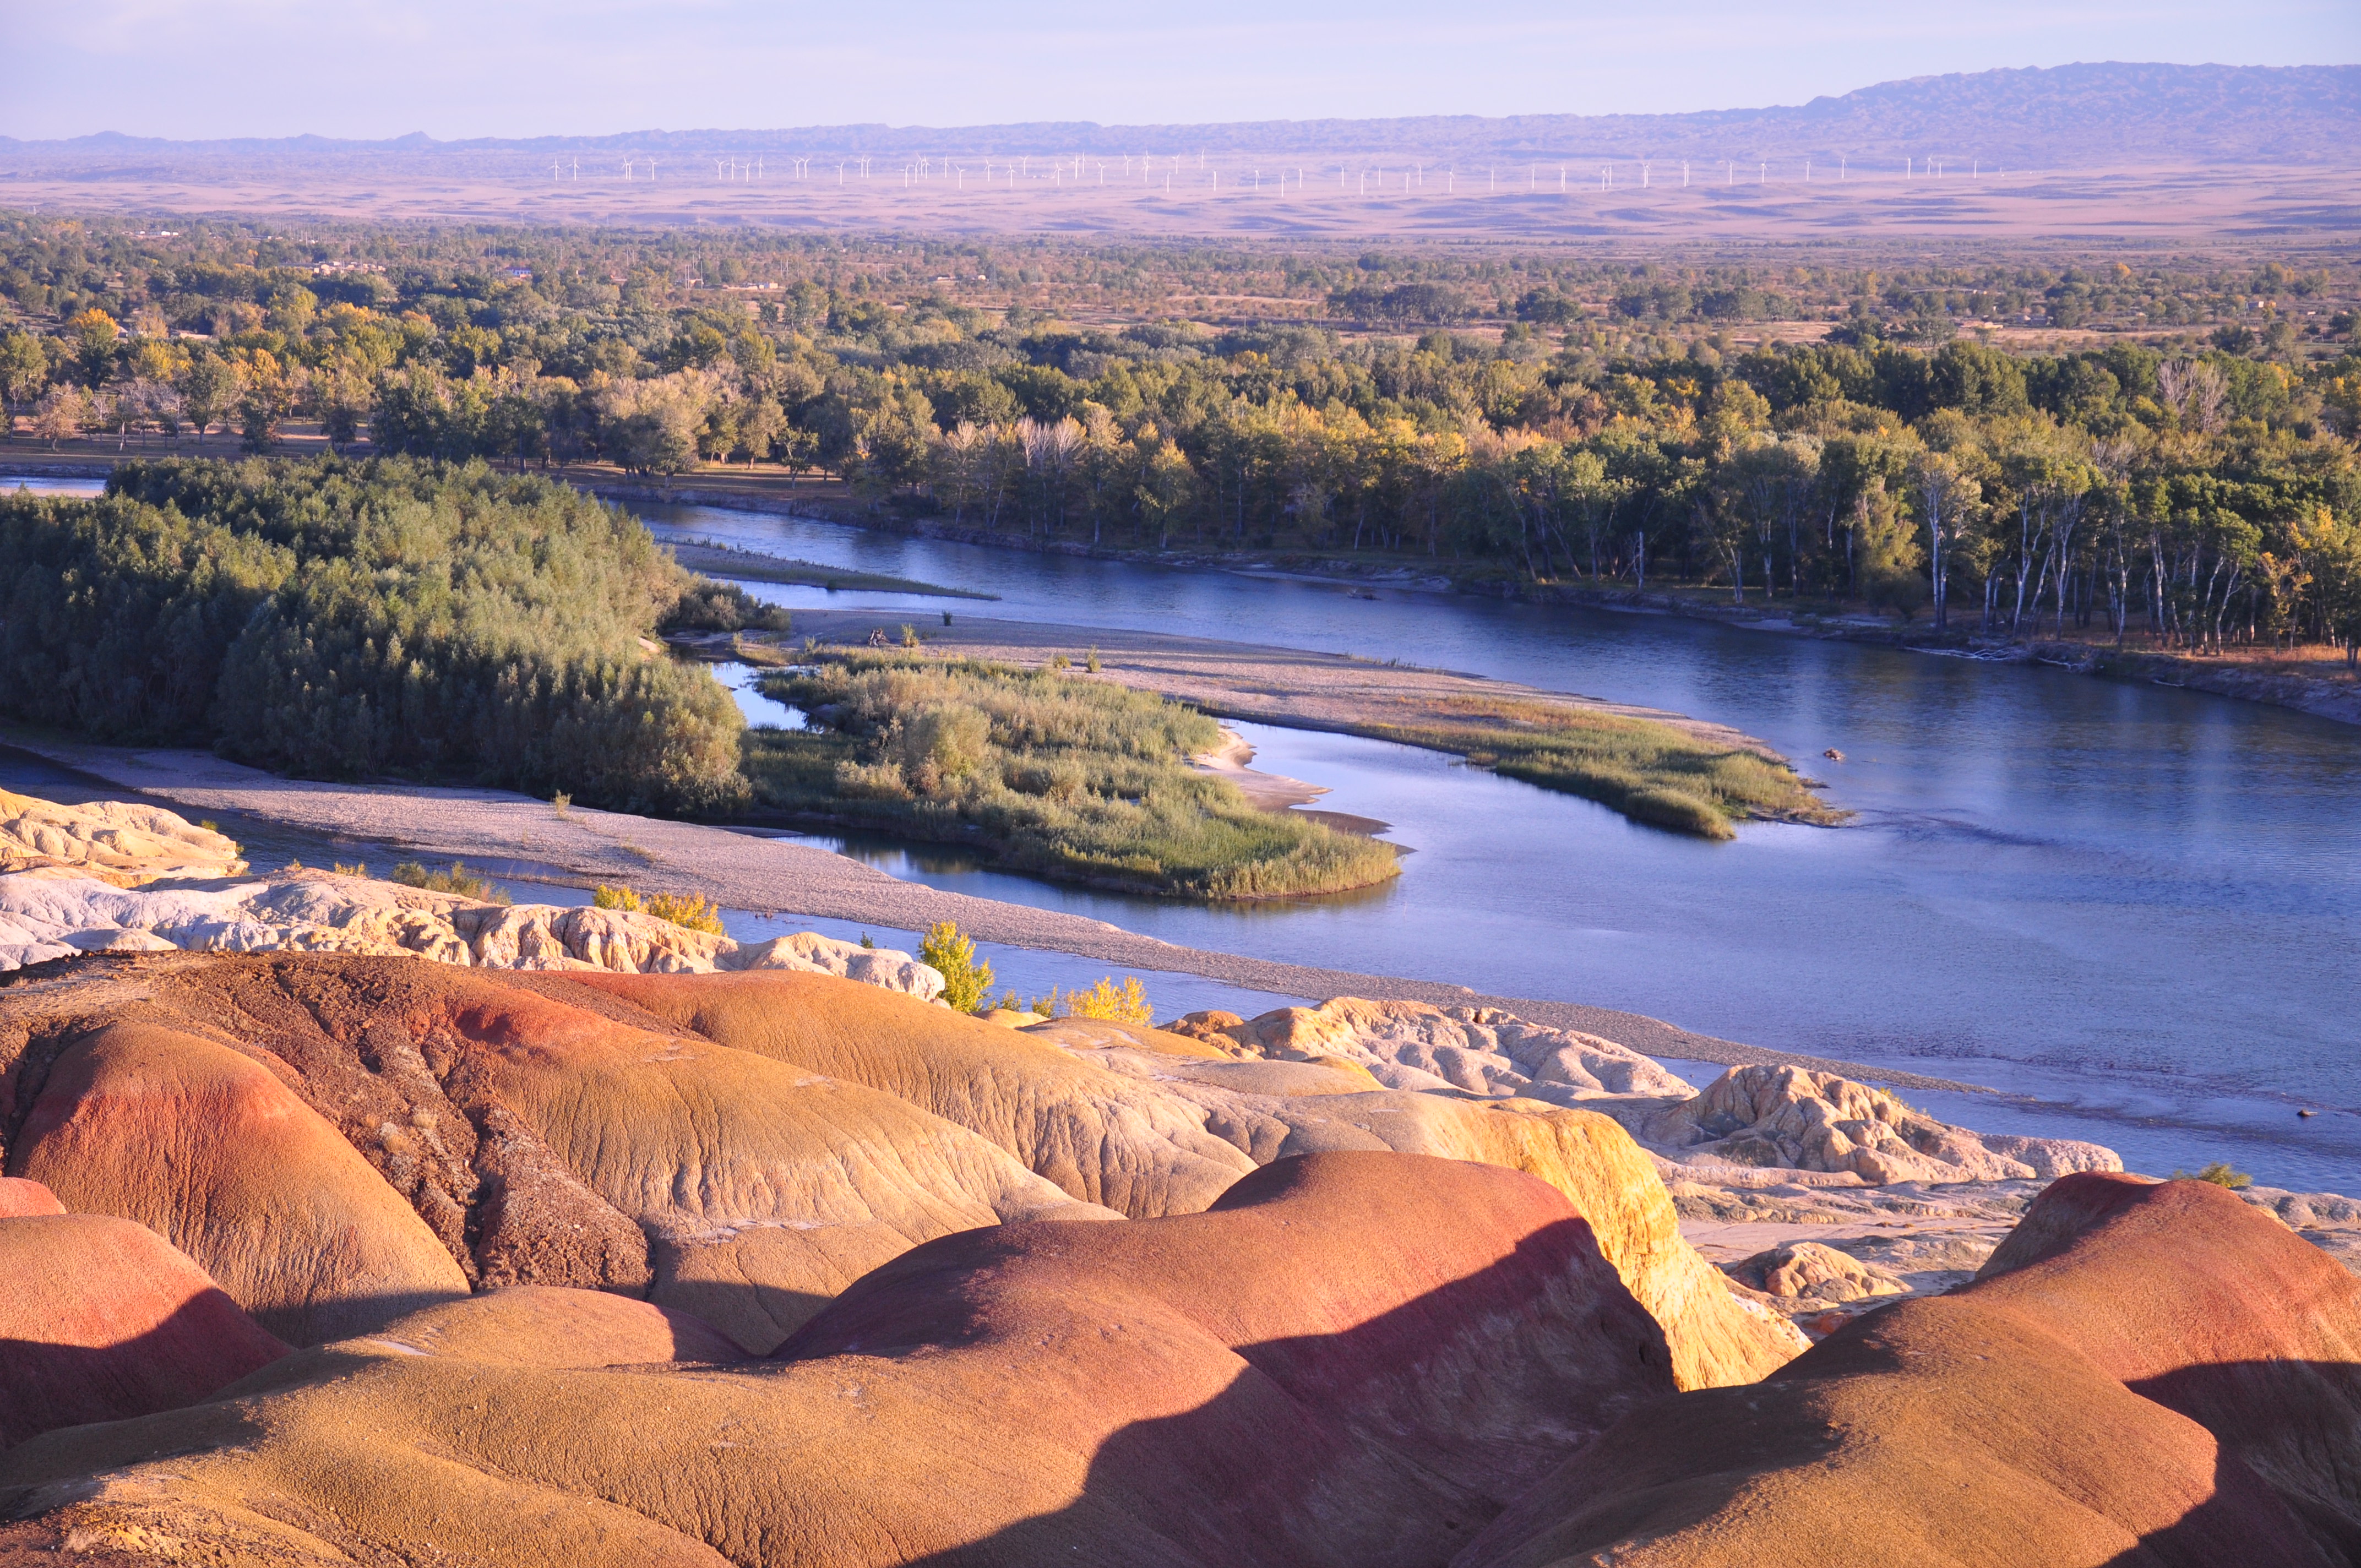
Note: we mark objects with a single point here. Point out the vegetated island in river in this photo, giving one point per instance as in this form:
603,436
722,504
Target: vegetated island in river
1660,768
1048,771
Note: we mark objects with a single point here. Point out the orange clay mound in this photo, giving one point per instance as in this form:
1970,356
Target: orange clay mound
1101,1138
1098,1110
101,1320
341,1139
1342,1325
209,1149
344,1140
548,1325
2144,1373
1352,1360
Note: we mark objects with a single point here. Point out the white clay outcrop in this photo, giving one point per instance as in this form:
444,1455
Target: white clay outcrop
1751,1118
1410,1045
54,915
1786,1118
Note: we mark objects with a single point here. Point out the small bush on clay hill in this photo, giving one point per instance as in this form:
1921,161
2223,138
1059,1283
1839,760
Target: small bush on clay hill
1125,1003
685,910
2219,1173
952,954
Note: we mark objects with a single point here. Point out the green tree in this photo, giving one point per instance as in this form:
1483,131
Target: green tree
293,310
209,391
967,984
94,334
24,372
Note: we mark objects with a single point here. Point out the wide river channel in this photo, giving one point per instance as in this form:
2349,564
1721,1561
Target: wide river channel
2135,910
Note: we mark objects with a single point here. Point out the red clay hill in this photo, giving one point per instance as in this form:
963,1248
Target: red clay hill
338,1259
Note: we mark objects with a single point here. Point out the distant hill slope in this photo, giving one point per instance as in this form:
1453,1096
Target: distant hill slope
2066,117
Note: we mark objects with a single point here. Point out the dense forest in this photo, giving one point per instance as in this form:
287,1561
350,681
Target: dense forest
2178,467
345,619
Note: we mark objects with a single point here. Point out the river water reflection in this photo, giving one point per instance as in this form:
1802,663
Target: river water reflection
2139,906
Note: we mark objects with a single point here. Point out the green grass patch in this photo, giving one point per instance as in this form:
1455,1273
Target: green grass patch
1052,774
1651,773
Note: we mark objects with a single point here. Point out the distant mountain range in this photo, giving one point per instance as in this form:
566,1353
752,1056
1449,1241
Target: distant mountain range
2065,116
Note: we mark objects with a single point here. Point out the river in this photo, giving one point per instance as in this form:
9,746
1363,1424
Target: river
2132,909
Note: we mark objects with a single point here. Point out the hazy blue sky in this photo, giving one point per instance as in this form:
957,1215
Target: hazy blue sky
458,68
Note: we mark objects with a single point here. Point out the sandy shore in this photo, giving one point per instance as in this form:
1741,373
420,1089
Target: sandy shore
1233,761
750,870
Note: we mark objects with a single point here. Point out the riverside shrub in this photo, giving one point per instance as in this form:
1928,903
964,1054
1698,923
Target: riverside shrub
341,618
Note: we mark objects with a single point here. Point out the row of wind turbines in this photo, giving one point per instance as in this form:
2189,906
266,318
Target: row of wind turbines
1161,170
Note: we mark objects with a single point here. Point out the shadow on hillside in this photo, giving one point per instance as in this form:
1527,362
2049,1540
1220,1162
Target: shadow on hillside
1362,1448
1230,1484
182,1361
2287,1485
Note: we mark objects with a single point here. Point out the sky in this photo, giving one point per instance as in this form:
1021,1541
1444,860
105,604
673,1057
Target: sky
516,67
